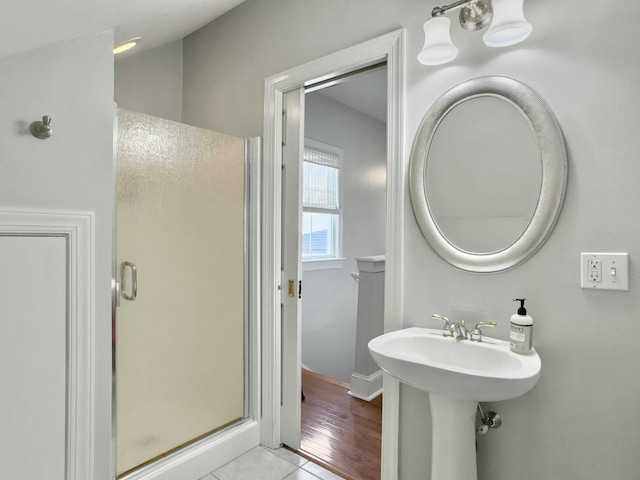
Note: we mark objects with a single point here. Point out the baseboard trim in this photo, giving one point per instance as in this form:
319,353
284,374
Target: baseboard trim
366,387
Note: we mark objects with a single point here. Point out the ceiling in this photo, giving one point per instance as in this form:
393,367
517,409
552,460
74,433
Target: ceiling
366,92
29,24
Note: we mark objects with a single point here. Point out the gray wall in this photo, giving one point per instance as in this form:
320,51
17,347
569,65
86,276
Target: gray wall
329,304
581,420
151,82
72,171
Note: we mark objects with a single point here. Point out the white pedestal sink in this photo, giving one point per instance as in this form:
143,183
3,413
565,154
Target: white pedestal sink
457,374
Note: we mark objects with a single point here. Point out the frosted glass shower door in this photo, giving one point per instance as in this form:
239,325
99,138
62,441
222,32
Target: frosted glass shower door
180,344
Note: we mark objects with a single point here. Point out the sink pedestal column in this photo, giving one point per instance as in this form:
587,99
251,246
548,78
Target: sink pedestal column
453,438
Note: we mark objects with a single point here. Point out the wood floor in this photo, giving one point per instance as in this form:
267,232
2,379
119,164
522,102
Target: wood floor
340,432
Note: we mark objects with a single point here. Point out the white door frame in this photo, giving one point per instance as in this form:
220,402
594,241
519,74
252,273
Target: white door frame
389,48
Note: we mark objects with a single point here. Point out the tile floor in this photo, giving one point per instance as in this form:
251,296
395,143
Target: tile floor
264,464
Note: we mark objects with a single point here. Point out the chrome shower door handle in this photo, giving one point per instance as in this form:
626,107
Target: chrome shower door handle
134,281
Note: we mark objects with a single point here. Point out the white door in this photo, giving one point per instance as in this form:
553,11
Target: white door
33,357
293,143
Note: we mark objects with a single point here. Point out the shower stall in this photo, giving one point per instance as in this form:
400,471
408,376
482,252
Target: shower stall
181,332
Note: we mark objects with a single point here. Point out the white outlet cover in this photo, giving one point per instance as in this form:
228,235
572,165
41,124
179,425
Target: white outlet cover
614,271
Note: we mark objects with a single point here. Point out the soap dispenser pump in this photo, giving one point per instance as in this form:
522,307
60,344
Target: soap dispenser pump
521,336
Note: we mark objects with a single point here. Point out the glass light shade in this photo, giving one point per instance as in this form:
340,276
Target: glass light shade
508,26
438,47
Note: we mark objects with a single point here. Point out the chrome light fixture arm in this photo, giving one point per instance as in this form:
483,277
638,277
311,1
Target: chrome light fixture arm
447,8
474,14
460,4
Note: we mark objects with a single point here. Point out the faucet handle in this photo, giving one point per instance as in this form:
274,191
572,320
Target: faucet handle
446,328
440,317
476,333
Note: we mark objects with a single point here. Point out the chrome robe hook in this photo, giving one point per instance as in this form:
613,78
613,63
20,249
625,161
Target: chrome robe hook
41,129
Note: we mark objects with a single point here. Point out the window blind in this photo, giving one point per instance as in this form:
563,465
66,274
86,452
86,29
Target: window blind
321,181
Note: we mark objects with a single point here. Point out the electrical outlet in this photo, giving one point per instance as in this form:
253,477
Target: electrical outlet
594,270
604,271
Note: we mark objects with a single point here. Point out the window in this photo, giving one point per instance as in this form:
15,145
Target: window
321,202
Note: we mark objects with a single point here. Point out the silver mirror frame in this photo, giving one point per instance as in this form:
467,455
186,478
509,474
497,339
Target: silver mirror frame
553,156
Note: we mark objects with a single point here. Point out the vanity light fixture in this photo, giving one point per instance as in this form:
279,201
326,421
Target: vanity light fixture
508,27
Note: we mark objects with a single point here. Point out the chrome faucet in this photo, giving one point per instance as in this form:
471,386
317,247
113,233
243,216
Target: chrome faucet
476,333
447,330
452,329
459,331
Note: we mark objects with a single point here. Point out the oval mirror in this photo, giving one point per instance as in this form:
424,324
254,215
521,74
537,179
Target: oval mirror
488,174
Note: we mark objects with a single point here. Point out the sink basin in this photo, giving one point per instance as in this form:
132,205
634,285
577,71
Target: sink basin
457,374
481,371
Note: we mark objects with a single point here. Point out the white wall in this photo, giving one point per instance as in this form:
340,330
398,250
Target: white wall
330,297
581,420
226,62
73,170
151,82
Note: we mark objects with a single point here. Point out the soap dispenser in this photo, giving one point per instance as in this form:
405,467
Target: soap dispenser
521,336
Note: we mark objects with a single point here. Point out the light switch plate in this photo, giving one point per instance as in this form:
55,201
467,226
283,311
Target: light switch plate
604,271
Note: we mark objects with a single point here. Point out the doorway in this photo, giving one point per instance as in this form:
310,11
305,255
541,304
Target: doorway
348,117
278,338
344,218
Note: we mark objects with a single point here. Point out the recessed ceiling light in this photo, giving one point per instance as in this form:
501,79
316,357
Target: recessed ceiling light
128,45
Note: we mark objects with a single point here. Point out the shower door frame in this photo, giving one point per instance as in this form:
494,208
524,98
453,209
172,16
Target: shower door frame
207,454
389,48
